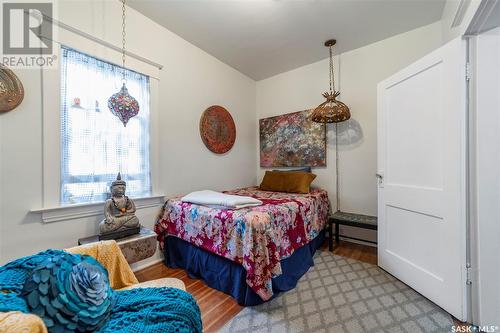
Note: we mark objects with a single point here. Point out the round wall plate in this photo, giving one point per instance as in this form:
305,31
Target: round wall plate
11,90
217,129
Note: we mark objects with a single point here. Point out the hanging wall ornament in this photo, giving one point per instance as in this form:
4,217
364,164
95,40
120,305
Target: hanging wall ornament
122,104
11,90
217,129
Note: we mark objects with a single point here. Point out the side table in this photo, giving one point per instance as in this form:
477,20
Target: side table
135,248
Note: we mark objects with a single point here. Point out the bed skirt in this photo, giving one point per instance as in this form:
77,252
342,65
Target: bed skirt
229,277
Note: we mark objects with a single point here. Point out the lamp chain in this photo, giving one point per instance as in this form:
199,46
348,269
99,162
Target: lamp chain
123,42
332,77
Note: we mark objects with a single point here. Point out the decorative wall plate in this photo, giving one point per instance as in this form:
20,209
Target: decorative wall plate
11,90
217,129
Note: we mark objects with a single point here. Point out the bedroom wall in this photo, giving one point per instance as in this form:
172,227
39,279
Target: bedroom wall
190,81
360,71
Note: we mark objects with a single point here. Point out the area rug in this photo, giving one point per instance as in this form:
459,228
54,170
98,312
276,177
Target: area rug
341,295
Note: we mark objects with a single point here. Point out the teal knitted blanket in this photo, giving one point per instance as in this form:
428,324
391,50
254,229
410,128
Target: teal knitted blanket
141,310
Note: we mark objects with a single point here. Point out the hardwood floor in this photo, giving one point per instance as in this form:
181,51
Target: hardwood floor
359,252
218,308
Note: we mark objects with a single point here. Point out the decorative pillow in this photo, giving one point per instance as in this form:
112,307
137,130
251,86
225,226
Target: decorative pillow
304,169
291,182
70,293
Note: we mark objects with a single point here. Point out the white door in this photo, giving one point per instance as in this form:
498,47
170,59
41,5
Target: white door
422,191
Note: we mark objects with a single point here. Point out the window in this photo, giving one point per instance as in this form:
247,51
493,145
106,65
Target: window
95,145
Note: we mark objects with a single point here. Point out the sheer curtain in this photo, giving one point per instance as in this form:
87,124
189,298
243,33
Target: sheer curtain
95,145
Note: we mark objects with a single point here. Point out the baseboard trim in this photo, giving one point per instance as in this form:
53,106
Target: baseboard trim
140,267
357,241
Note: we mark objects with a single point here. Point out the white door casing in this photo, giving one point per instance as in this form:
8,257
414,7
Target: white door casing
422,195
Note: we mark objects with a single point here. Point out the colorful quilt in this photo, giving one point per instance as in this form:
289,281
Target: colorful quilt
257,237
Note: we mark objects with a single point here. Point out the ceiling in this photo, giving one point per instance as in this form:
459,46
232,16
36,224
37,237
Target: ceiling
262,38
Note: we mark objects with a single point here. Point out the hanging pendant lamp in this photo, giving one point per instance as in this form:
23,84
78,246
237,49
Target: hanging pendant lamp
122,104
332,110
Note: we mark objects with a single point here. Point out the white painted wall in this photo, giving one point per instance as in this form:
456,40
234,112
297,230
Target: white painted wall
191,81
487,189
360,71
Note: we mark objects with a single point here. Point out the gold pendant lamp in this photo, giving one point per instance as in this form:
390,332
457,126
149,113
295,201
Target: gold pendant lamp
331,110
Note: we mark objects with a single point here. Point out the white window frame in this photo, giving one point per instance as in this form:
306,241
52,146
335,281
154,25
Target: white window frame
52,210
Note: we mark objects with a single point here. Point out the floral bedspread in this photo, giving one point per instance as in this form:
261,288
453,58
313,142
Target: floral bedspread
256,237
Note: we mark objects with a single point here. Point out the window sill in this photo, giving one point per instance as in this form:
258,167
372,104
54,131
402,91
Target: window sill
77,211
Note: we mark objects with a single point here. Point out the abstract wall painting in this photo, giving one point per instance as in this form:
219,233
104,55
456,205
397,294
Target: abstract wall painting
292,140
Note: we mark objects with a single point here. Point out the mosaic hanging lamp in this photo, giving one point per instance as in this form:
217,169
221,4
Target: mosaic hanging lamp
332,110
122,104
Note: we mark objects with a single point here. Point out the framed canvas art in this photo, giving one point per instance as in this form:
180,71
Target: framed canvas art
292,140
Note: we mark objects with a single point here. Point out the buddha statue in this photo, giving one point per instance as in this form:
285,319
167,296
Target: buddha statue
119,213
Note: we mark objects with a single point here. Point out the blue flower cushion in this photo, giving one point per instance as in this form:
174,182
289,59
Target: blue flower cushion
69,292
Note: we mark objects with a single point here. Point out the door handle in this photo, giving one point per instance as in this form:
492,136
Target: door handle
380,178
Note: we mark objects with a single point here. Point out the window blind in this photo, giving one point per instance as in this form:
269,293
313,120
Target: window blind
95,145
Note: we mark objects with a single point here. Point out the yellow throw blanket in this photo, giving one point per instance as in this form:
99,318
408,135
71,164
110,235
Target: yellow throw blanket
108,254
16,322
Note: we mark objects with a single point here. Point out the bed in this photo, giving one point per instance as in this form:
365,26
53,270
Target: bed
251,253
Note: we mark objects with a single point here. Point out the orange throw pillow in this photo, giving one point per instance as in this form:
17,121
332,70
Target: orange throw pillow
290,182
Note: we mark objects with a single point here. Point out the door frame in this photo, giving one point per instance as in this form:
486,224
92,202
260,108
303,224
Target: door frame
483,130
483,302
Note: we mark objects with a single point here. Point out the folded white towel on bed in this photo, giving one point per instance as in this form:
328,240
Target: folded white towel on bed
220,200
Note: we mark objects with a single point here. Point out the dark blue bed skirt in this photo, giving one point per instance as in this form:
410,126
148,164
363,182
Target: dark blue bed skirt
229,277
